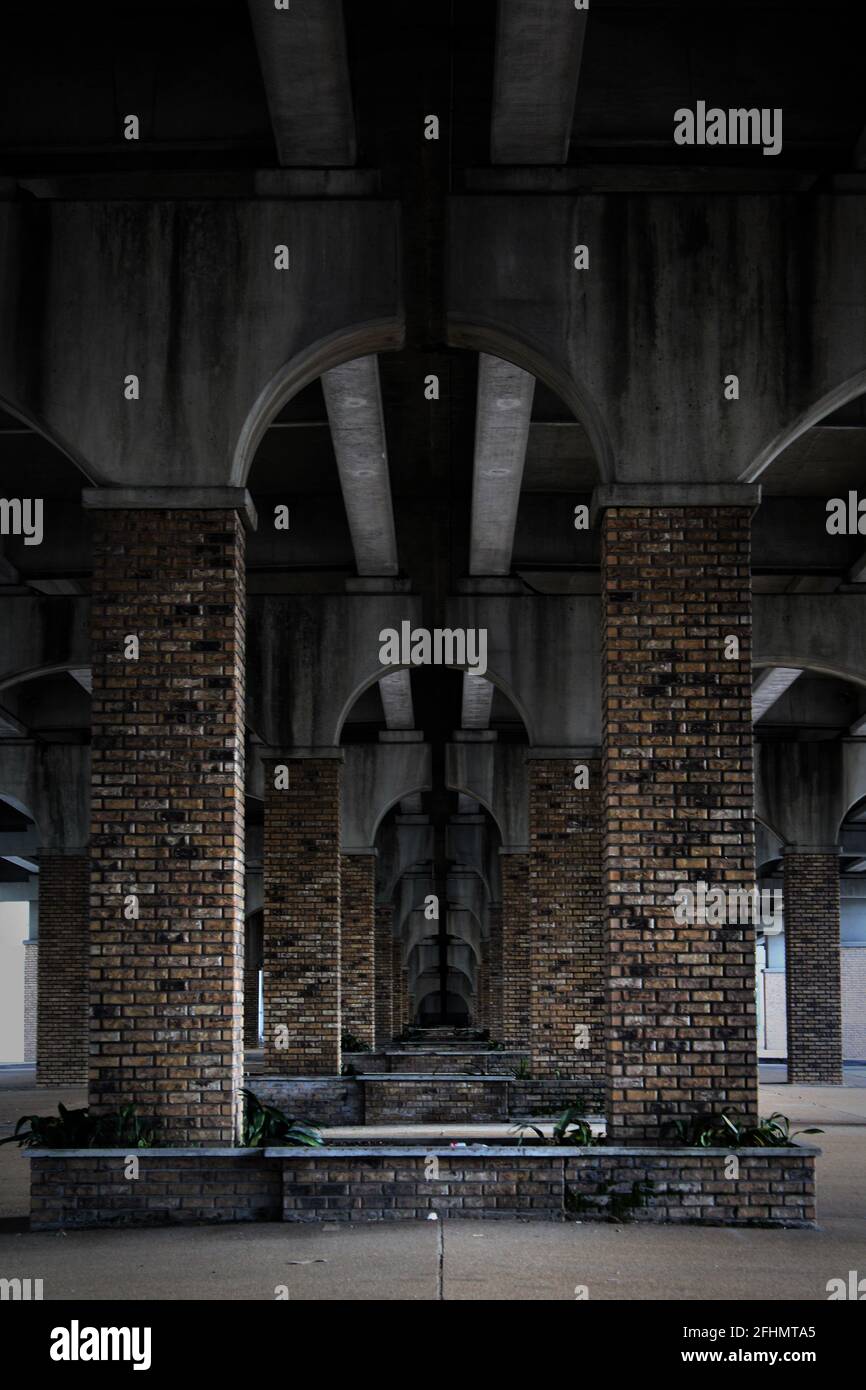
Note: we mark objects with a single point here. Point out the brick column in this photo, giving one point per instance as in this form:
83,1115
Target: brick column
31,991
252,966
679,808
515,948
64,917
301,942
384,1001
167,810
567,958
357,945
400,981
494,971
481,992
813,970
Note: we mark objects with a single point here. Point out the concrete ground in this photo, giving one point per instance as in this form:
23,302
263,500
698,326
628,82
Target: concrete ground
457,1260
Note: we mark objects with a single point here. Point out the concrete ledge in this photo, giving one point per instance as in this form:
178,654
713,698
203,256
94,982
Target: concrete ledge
673,495
163,499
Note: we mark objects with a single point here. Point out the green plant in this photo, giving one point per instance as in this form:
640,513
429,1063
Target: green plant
727,1132
265,1124
349,1043
522,1072
571,1127
78,1129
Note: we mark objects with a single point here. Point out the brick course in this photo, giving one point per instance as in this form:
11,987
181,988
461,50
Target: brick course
64,957
167,808
678,809
813,978
357,945
301,940
567,968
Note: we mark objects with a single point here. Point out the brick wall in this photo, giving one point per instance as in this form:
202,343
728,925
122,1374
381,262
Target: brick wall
167,809
482,989
64,937
31,998
399,987
567,964
357,945
494,972
515,948
678,809
813,985
396,1099
384,1001
301,940
854,1003
317,1100
251,1003
170,1190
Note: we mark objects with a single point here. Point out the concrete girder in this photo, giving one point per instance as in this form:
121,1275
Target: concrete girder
311,656
803,791
790,283
470,843
43,635
814,632
302,55
494,774
186,295
545,653
50,782
354,403
376,777
502,414
407,842
539,46
769,686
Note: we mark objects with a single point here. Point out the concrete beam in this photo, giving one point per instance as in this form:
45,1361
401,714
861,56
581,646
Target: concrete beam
378,776
354,403
539,46
769,686
302,55
502,416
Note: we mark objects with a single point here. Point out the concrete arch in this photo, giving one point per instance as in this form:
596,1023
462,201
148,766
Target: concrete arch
362,340
43,635
373,677
813,415
501,341
805,631
33,422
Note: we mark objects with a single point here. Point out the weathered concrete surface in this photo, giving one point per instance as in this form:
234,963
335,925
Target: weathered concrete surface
692,289
822,632
539,45
186,296
50,782
377,776
302,53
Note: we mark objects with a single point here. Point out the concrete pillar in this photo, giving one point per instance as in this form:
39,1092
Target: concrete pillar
813,971
494,971
679,809
515,948
357,946
61,992
167,809
384,966
301,940
567,959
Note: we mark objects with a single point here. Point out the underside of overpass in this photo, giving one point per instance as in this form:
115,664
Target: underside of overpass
431,542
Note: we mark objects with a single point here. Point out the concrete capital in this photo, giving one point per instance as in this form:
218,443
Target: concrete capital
164,499
673,495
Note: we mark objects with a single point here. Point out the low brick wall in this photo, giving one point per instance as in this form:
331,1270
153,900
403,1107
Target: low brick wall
651,1185
472,1063
317,1100
89,1187
431,1099
547,1099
